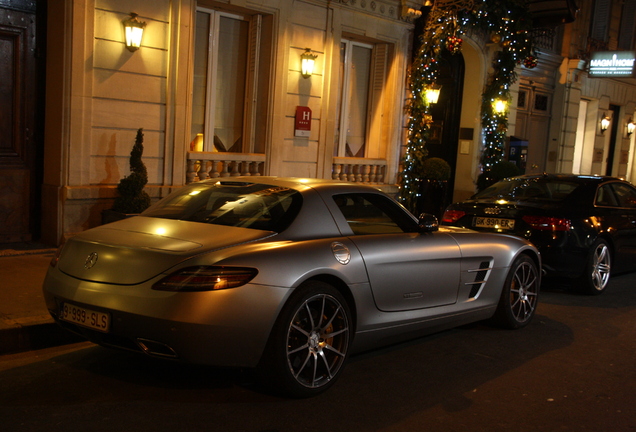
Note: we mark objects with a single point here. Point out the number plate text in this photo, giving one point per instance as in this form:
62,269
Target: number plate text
85,317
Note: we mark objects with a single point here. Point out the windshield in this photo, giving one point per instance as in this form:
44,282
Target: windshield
529,189
246,205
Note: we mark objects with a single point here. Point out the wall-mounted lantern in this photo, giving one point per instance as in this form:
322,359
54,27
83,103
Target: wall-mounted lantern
431,93
134,30
500,106
605,122
631,127
307,62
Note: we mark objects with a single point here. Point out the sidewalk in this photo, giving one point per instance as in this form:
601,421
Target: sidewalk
25,323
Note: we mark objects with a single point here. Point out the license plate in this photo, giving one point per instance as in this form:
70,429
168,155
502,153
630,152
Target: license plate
99,321
497,223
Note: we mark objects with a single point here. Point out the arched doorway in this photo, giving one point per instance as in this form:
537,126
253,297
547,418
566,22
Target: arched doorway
444,137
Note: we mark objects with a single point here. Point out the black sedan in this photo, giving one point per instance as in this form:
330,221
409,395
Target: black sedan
584,226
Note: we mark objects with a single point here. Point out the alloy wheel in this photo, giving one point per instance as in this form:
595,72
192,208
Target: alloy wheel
601,267
524,292
317,340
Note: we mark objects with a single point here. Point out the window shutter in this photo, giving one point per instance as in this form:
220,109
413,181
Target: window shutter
628,21
376,100
600,20
249,119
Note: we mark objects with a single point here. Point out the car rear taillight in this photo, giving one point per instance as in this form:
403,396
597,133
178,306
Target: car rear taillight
56,257
451,216
546,223
206,278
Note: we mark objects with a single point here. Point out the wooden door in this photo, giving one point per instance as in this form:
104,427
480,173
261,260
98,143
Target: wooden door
533,126
18,90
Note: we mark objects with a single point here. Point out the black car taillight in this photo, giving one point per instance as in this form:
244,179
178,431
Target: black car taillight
547,223
451,216
206,278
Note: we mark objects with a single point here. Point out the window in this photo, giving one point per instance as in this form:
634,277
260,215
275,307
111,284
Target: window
521,101
541,102
625,194
628,24
529,189
373,214
605,197
246,205
228,91
600,20
363,69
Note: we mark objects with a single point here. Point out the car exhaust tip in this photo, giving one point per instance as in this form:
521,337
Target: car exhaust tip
156,349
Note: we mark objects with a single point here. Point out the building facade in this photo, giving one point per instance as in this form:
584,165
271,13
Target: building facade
218,90
560,105
216,86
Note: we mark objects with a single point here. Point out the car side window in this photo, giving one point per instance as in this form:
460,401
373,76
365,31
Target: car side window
625,194
605,197
373,214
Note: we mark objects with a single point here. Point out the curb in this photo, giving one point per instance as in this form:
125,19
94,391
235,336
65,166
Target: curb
23,338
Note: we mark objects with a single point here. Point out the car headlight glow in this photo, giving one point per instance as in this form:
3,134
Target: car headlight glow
206,278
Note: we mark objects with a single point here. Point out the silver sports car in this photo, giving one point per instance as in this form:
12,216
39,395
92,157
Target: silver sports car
290,276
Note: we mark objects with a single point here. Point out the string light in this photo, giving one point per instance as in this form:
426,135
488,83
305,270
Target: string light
506,18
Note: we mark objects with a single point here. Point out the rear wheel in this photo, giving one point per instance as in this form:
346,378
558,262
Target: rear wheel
310,341
597,269
520,294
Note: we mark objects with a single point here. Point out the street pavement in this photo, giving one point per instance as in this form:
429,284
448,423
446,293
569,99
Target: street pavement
570,370
25,323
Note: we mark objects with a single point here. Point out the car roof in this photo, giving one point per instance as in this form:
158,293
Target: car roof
570,177
299,183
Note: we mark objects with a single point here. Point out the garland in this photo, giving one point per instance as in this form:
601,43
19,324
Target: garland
508,24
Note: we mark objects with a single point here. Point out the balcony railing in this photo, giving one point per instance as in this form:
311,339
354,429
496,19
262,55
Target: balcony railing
205,165
210,165
360,170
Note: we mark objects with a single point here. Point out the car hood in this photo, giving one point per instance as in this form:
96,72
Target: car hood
134,250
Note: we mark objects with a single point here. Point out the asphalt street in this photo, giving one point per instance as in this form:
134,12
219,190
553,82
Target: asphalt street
571,369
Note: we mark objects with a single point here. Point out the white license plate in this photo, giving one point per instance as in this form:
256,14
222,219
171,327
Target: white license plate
85,317
497,223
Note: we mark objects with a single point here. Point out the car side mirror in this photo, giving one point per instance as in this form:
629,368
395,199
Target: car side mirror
428,223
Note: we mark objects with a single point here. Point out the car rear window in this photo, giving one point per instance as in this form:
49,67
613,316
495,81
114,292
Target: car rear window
529,189
246,205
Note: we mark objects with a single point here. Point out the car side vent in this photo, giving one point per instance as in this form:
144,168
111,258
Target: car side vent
481,276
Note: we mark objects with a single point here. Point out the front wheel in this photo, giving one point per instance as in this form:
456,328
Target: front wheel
310,341
519,296
597,269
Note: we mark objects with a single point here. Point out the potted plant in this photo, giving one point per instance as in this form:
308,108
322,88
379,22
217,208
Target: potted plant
434,186
131,199
436,169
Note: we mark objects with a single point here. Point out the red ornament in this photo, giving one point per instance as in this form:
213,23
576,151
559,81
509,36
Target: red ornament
531,62
454,44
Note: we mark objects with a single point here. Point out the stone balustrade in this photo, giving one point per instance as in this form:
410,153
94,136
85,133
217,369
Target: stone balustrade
206,165
359,170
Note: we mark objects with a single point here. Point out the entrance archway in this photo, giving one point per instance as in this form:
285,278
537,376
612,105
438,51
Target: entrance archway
444,137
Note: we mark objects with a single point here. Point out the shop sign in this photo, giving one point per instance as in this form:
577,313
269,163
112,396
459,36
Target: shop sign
616,64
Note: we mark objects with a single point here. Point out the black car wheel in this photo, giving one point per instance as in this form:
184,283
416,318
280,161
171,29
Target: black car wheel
310,341
520,294
597,269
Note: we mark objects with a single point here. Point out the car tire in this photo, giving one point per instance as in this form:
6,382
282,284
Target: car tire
597,269
309,343
520,294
